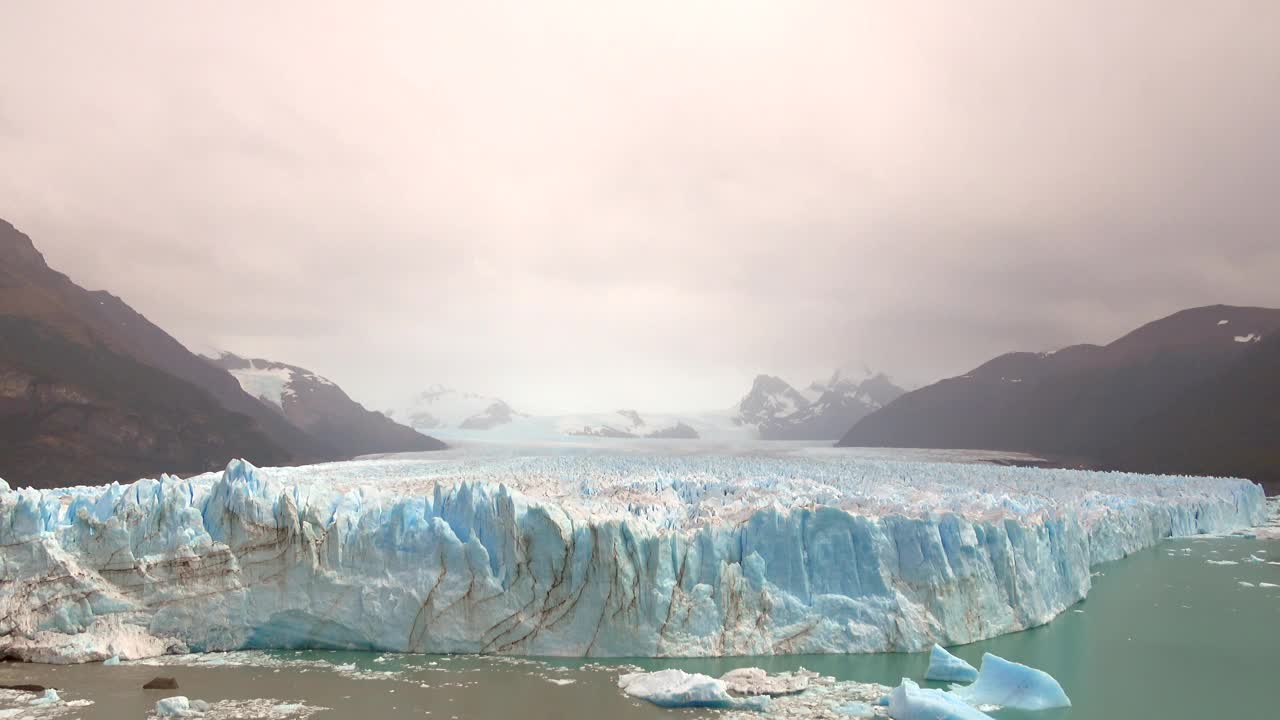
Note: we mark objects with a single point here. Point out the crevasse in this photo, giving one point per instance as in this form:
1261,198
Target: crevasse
586,556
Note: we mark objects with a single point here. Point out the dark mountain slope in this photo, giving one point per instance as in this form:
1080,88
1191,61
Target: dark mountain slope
30,288
91,392
74,412
1084,401
1227,425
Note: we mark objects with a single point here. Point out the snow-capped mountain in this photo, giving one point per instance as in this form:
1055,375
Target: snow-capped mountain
441,407
825,410
318,406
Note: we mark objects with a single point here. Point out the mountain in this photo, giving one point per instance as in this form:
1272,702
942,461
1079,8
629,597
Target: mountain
90,391
439,407
1152,399
1226,425
629,424
824,411
321,409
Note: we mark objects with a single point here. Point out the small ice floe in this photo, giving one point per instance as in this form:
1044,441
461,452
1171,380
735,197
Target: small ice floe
855,709
909,701
113,660
1013,685
179,706
676,689
1254,559
1245,583
50,697
755,681
949,668
1268,585
1222,562
561,681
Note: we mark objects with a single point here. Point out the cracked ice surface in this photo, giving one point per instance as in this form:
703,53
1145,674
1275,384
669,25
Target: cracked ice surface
597,555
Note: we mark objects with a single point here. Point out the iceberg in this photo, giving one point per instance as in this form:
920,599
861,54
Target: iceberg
678,689
50,697
1013,685
605,555
946,667
909,701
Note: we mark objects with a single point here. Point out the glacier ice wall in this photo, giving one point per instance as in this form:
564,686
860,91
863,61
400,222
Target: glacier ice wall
576,556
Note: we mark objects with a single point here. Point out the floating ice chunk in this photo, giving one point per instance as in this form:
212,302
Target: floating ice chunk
755,681
909,701
1244,583
1268,585
176,706
856,709
50,697
113,660
1222,562
561,681
677,688
1013,685
945,666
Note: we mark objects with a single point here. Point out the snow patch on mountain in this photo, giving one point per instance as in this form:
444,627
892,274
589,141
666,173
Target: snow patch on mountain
270,382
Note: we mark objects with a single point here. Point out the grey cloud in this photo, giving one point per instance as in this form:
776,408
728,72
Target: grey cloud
581,204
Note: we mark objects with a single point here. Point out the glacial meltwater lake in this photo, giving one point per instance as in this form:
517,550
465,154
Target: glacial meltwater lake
1164,633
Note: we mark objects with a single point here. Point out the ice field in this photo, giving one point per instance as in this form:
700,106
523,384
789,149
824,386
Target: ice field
586,554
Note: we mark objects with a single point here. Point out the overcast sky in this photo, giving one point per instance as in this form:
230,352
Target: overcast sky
590,204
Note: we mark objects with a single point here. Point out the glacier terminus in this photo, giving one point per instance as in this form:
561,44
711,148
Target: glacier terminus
591,555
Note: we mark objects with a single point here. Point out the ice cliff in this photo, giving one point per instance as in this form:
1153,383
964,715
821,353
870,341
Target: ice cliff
606,555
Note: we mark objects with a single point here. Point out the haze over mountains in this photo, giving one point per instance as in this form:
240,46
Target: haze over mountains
91,391
771,410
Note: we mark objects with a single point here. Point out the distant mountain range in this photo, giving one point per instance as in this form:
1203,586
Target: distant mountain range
91,391
1197,392
772,410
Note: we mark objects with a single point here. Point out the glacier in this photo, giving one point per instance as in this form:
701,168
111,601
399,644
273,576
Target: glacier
607,554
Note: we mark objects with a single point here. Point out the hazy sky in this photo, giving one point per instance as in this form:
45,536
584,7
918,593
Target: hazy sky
594,204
